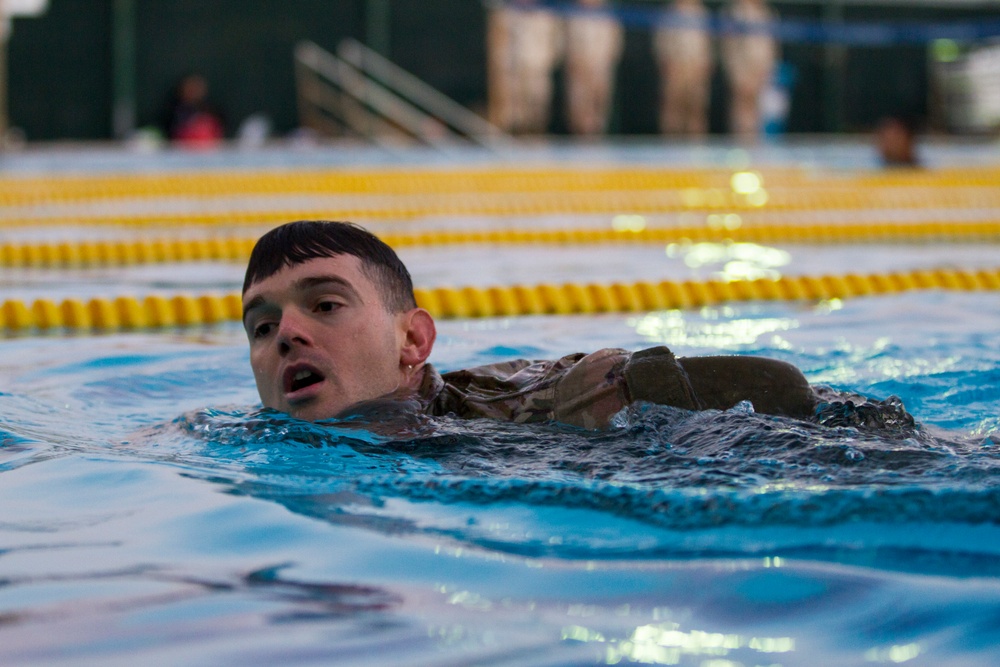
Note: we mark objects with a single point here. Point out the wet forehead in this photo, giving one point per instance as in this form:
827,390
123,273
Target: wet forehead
344,271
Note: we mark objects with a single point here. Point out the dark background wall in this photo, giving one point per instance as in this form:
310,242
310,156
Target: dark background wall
242,47
62,67
59,81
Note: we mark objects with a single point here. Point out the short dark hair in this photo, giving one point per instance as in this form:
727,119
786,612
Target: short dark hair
908,122
297,242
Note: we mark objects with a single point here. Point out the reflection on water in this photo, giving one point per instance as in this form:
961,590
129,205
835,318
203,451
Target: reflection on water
735,261
145,526
717,328
666,643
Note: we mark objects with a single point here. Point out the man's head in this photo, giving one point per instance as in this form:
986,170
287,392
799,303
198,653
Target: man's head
297,242
330,315
895,138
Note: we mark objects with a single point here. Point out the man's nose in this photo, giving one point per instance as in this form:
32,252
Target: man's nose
293,331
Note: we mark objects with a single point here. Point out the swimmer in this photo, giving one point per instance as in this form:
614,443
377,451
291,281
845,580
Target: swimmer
895,138
333,327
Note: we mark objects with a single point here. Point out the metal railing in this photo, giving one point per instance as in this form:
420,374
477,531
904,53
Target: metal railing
358,92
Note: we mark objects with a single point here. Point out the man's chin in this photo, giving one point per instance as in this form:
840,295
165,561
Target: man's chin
311,410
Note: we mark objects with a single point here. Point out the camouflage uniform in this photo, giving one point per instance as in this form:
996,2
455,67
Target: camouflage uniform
579,389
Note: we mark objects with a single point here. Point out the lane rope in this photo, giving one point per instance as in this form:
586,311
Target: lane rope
645,202
75,188
401,195
117,252
155,311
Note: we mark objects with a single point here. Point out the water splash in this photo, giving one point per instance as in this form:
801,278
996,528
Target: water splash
668,469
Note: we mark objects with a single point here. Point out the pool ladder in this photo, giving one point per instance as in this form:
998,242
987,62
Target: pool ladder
358,92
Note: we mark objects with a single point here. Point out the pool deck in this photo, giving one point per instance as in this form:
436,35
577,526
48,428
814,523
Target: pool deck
839,152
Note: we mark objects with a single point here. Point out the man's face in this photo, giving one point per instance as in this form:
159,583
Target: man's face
894,141
321,339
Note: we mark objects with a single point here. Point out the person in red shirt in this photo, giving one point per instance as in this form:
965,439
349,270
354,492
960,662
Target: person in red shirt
192,121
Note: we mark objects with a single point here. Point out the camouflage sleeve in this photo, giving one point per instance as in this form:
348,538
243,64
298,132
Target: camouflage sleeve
654,375
596,386
517,390
578,389
592,390
584,390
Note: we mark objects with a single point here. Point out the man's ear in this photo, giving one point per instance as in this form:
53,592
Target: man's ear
419,338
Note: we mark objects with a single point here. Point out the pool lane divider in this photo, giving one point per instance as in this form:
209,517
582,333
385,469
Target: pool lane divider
19,190
155,311
116,252
404,209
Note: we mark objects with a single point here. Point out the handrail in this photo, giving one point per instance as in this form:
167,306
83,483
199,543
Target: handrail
374,96
323,107
375,65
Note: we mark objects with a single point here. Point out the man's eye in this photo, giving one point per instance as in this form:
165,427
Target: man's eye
262,330
327,306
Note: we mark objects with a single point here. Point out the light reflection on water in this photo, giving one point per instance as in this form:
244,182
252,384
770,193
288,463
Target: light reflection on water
716,328
238,537
731,261
667,643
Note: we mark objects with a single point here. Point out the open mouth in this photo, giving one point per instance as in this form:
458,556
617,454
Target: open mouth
300,379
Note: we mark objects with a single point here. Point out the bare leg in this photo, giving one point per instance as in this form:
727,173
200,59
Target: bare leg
674,101
744,113
697,120
581,95
498,69
538,98
601,101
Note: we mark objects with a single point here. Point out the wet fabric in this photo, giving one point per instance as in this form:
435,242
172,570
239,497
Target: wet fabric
578,389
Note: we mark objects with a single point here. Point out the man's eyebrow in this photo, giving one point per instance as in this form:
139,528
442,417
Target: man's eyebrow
321,281
308,282
255,302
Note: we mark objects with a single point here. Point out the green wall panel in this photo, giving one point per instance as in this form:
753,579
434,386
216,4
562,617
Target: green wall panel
242,47
61,69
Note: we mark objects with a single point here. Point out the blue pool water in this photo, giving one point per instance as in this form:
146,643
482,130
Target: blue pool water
153,514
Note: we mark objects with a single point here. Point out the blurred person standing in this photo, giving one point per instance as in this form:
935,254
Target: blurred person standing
683,49
191,120
524,45
749,53
594,41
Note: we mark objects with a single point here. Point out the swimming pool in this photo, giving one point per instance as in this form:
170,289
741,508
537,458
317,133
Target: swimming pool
153,514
